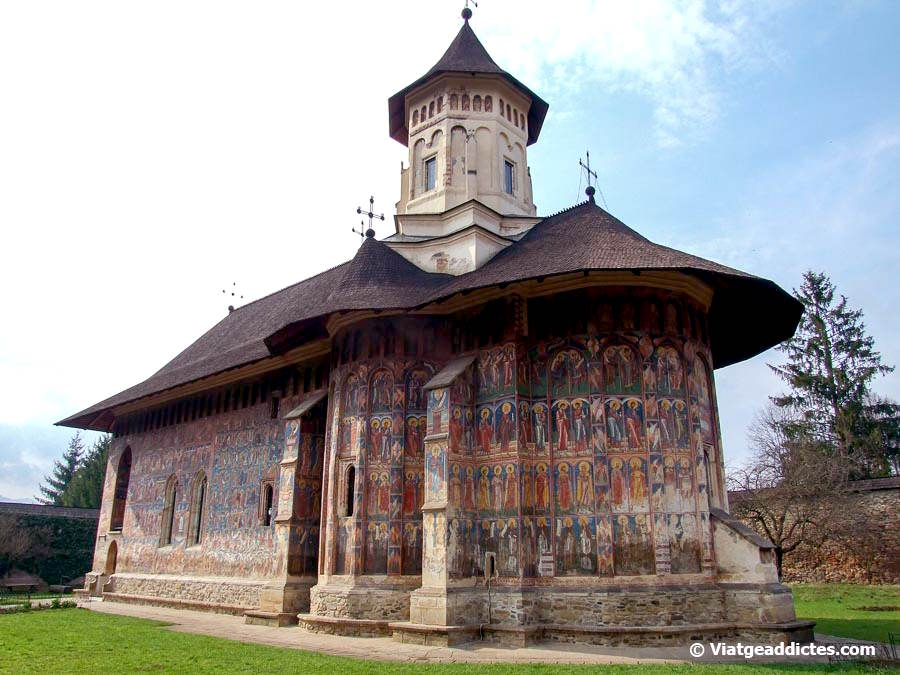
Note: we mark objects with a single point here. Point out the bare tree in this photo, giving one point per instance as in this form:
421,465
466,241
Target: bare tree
19,544
793,490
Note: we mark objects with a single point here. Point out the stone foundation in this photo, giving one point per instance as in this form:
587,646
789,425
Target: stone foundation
225,595
368,602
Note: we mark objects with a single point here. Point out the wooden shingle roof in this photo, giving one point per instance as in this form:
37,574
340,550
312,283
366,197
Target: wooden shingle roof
747,316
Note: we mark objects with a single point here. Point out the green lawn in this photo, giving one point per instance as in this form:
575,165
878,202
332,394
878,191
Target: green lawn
78,640
836,608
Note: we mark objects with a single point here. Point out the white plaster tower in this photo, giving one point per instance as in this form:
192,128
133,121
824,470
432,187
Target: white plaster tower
466,193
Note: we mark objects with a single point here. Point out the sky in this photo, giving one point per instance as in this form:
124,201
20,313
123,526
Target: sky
154,154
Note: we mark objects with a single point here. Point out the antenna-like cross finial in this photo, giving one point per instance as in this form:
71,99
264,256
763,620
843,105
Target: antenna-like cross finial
586,167
370,232
234,294
467,13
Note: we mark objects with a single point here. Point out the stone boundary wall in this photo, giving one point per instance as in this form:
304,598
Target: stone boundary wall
49,511
871,557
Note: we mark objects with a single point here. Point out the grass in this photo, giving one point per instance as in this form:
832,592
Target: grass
78,640
836,608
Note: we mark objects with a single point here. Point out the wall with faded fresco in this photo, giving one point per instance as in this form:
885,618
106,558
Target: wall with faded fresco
239,453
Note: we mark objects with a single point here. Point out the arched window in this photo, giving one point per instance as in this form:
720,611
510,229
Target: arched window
168,518
516,116
501,107
415,117
423,113
198,499
465,102
440,103
123,475
431,110
488,104
476,103
268,505
508,112
351,488
454,101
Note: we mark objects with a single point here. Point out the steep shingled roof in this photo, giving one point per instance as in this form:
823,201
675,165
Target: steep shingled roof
748,314
465,55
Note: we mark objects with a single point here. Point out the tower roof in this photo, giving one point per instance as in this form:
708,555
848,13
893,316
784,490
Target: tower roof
465,56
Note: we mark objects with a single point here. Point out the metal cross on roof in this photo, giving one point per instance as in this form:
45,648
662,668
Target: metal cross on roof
370,232
234,294
586,167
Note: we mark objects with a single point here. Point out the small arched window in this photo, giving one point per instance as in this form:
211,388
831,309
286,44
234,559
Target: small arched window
508,112
198,499
516,117
465,102
415,117
168,518
123,476
268,504
440,104
488,104
454,101
431,110
501,107
423,113
350,490
476,103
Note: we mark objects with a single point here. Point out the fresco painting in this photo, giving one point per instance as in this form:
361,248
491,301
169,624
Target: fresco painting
633,551
576,546
592,430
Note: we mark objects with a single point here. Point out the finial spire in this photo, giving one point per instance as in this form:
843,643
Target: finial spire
370,231
467,13
586,166
590,190
234,294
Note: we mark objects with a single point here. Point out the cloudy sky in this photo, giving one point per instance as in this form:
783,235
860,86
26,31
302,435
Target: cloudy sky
152,154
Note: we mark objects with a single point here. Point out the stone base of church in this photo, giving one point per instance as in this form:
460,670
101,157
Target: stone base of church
330,625
274,619
225,595
363,598
281,601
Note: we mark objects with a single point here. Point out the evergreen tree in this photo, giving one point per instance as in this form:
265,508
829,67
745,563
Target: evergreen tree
831,363
63,471
86,487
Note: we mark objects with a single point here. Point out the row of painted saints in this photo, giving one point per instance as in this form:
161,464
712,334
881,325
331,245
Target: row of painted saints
619,484
618,424
618,370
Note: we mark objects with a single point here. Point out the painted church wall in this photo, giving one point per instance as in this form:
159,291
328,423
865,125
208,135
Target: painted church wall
586,455
381,412
239,454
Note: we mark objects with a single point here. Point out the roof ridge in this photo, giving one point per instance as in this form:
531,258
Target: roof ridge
567,209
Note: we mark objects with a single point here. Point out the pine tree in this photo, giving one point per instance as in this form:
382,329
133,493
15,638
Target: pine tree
831,363
86,487
63,471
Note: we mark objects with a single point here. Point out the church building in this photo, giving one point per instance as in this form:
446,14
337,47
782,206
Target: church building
490,424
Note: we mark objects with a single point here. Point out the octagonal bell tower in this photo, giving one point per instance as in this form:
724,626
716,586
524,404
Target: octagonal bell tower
467,124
